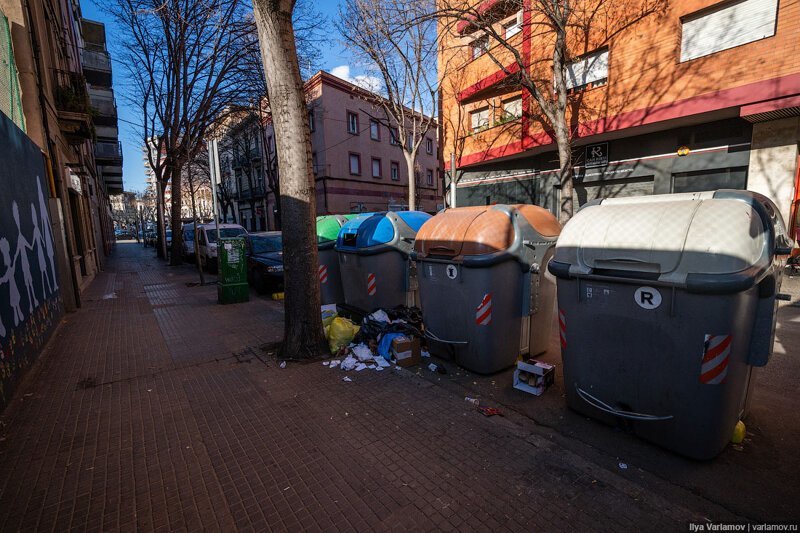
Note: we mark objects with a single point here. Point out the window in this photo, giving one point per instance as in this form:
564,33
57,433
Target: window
374,130
429,145
429,176
589,71
480,119
352,123
480,46
512,108
409,141
355,164
394,136
727,25
514,26
376,168
710,180
395,171
311,124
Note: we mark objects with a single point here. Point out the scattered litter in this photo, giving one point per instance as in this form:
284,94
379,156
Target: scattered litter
379,369
623,466
347,379
425,353
380,316
490,411
385,346
371,367
283,364
335,363
349,363
326,363
360,367
362,352
381,362
473,401
433,367
110,296
341,333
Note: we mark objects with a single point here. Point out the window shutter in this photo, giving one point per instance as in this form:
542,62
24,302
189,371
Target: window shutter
731,25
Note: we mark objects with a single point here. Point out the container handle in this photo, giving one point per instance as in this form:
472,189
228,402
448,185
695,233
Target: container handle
599,404
433,336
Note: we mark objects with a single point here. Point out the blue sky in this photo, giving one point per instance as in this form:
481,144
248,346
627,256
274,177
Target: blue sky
333,56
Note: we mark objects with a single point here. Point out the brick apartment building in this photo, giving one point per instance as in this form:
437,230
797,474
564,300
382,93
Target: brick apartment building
705,95
358,166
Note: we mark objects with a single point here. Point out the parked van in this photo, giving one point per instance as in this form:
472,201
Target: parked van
188,242
207,242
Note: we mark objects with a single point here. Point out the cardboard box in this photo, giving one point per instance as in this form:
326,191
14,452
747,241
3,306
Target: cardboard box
534,376
406,351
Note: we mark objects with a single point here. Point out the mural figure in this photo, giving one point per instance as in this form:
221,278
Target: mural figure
37,241
47,232
8,277
22,253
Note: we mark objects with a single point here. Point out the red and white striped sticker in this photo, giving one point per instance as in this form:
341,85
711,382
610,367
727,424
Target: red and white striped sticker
323,273
562,326
716,354
372,285
483,313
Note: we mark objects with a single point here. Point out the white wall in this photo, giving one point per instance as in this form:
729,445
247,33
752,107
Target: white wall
773,161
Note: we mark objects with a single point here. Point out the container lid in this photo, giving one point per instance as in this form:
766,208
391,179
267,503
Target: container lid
376,229
328,227
670,238
481,230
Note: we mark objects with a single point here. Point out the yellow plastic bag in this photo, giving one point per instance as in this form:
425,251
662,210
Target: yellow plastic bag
341,333
327,318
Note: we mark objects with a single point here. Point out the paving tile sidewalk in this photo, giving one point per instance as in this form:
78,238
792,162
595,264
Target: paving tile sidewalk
154,408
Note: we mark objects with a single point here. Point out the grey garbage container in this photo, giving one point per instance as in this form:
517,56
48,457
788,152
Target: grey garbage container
374,259
330,279
485,297
666,303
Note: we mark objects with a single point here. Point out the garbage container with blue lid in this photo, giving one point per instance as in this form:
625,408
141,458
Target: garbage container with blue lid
330,279
376,268
665,305
485,297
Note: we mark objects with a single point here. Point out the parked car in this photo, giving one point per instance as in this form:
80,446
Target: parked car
207,242
150,237
188,242
265,261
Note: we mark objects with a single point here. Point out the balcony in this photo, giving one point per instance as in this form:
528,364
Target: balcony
72,104
97,67
106,152
104,107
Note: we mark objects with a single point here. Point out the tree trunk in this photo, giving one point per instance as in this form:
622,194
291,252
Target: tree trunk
176,251
564,172
161,243
196,246
412,180
303,336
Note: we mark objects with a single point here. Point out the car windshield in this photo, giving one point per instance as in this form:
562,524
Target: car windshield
188,234
266,244
225,232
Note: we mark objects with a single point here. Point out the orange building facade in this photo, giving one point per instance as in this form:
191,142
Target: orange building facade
697,95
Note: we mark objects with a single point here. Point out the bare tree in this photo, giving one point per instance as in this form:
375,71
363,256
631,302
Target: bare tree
397,39
185,62
565,31
303,336
197,181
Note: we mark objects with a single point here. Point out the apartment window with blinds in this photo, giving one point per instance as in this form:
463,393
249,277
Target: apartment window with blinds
589,71
727,25
480,119
355,164
395,171
429,176
376,168
512,108
374,130
480,46
352,123
514,26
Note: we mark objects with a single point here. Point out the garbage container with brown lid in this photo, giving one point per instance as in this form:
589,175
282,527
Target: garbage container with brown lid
485,297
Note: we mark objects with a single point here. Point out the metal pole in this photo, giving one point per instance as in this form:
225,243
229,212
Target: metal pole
452,180
213,156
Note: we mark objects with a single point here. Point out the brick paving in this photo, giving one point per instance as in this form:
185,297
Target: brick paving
154,408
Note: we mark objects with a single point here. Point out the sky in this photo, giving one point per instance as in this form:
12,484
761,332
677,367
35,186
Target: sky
334,59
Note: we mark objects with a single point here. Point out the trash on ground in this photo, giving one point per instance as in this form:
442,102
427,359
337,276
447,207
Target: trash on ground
489,411
347,379
623,466
380,316
349,363
473,401
283,364
533,376
381,362
326,363
360,367
385,346
328,315
406,351
334,363
362,352
341,333
739,431
277,296
425,353
433,367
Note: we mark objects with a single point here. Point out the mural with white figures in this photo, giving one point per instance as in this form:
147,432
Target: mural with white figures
30,305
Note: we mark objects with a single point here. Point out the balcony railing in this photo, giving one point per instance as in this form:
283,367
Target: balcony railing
96,60
70,92
108,150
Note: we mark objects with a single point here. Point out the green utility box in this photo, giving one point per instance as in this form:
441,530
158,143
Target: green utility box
232,287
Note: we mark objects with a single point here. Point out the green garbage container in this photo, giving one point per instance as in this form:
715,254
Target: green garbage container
232,287
330,278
